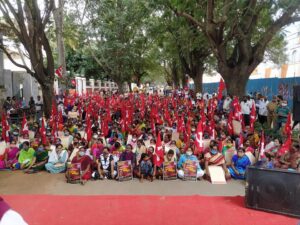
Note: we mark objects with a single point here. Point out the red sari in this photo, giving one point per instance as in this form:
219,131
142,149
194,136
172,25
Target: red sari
84,161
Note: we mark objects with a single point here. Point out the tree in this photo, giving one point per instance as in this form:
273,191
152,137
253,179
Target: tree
27,23
116,36
58,14
185,43
239,33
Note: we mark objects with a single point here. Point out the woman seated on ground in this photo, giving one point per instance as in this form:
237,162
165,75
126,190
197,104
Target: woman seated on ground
272,148
57,159
10,157
145,168
290,160
106,165
26,156
214,158
239,164
40,159
184,158
85,164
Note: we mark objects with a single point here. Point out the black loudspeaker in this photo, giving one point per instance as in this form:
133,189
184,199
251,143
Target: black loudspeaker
296,103
273,190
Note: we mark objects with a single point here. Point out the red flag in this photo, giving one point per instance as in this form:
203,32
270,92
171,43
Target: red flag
262,145
159,153
229,124
180,128
241,141
199,137
188,131
288,127
5,128
221,89
58,72
60,117
88,129
286,146
24,129
252,118
43,133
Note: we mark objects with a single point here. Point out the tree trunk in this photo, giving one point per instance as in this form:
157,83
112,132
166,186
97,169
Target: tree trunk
58,18
47,91
198,78
235,78
236,83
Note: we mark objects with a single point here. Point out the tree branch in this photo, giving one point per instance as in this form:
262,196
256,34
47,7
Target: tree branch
14,62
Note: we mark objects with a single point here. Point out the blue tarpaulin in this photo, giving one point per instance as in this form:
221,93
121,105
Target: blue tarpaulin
267,87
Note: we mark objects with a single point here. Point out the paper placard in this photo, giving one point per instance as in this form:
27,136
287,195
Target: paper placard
250,157
147,143
237,127
73,115
169,171
217,175
228,156
21,140
31,134
175,136
190,170
3,146
206,143
65,141
125,170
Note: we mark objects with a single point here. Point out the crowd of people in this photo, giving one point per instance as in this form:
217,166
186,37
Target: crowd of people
97,131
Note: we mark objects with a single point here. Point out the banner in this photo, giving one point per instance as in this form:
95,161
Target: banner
190,170
125,170
74,172
169,171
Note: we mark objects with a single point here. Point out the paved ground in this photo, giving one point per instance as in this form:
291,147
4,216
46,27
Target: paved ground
44,183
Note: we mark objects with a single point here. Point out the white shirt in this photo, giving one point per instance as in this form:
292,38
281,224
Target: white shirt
262,108
245,107
226,104
11,217
37,104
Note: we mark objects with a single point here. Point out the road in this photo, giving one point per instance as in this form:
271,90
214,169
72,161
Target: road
16,182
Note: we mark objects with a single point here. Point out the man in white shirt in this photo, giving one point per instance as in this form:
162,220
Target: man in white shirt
39,108
226,104
246,108
262,110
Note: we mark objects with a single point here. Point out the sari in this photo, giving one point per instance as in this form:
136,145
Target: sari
84,162
26,156
215,160
12,159
57,162
240,165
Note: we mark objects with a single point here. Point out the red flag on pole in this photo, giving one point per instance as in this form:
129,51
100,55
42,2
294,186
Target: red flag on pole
43,133
89,129
262,145
286,146
252,117
25,130
58,72
158,154
221,89
241,140
288,127
199,137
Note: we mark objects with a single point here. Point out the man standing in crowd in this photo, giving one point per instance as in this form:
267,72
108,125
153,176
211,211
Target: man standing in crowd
39,108
282,113
271,107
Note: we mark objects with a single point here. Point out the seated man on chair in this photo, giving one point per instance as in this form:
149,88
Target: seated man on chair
186,157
